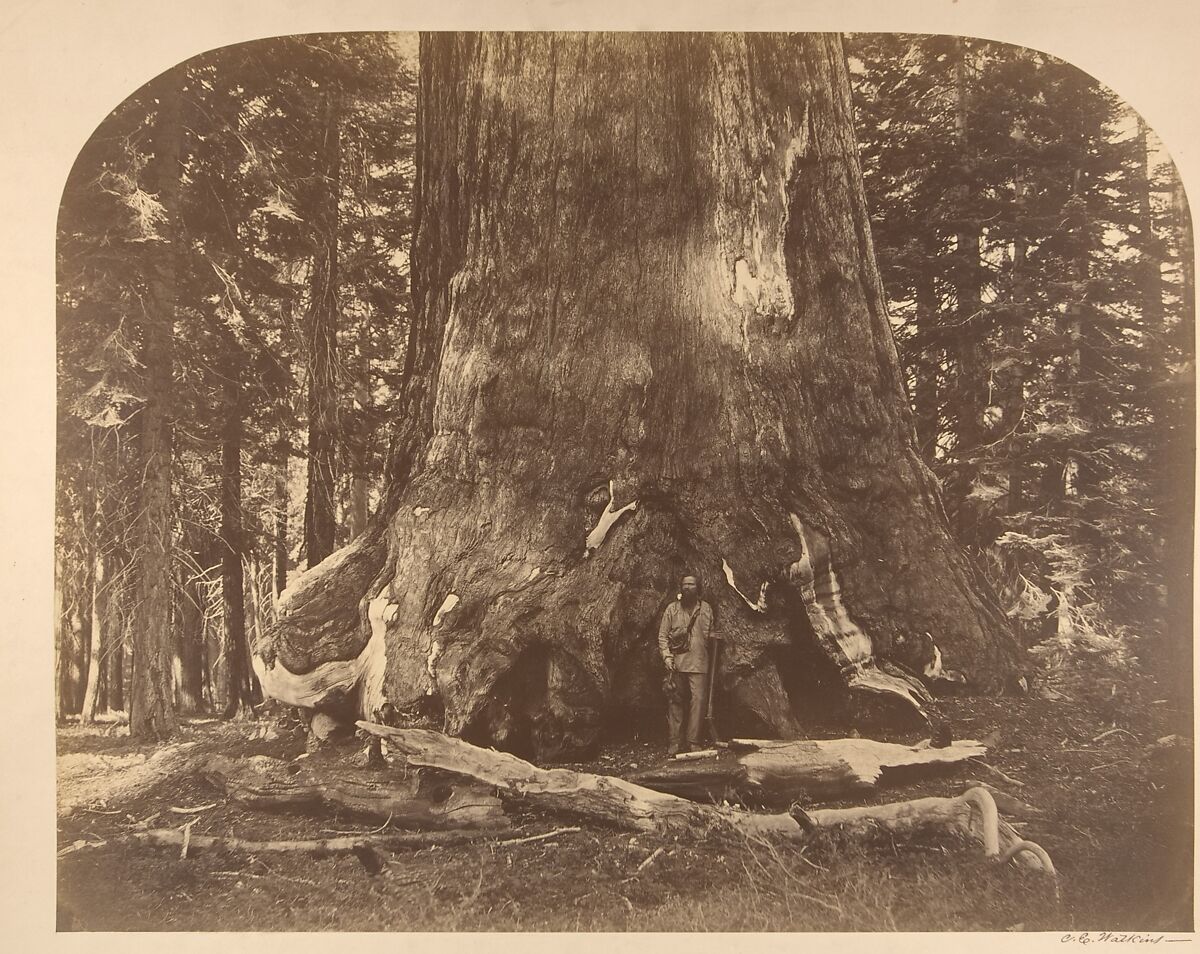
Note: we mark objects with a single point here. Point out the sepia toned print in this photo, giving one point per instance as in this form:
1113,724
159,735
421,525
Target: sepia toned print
405,383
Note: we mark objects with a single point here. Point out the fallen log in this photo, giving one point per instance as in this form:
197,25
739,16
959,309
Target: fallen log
827,767
413,800
626,804
711,781
90,782
773,771
174,837
601,797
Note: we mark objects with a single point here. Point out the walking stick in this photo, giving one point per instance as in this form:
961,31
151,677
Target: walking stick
710,689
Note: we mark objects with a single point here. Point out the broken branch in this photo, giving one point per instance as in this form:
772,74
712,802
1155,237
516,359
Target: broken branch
170,837
542,837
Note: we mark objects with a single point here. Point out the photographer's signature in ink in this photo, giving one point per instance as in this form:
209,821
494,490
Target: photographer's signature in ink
1117,937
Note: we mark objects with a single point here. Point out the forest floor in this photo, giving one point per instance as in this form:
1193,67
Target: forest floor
1115,816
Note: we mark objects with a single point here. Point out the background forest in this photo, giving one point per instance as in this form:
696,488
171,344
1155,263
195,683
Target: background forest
1035,246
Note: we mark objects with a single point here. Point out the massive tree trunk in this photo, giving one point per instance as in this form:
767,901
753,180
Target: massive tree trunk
648,335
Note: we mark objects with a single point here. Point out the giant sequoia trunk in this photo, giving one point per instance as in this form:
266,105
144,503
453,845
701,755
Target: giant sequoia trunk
649,335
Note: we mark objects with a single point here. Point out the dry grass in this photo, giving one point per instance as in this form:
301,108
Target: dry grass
1119,836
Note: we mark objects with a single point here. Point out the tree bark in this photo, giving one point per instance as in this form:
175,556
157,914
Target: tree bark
321,324
96,645
151,713
115,663
189,648
642,274
281,514
1180,453
357,511
60,639
926,396
1011,381
970,392
233,599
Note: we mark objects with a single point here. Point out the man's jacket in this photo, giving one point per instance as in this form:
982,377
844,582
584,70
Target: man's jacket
674,623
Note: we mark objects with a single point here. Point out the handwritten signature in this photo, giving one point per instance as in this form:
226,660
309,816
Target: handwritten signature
1116,937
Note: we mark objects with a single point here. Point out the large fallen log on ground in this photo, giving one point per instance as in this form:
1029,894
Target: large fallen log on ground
600,797
412,800
628,805
770,771
92,782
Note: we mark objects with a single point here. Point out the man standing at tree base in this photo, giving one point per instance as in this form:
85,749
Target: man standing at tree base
683,635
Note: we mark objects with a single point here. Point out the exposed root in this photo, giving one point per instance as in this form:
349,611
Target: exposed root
1033,848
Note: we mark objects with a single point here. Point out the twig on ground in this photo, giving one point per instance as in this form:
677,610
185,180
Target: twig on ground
653,857
77,845
100,811
1105,735
649,861
1108,765
144,823
277,874
187,838
811,864
369,831
541,837
478,887
995,771
193,811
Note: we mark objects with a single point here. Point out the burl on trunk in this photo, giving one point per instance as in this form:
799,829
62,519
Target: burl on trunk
649,335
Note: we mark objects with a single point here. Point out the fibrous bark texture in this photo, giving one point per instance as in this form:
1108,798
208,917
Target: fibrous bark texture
642,275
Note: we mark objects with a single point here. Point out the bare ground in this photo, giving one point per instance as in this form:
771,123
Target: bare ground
1116,818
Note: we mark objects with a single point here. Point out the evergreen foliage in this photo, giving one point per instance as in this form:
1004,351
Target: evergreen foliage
1048,446
244,244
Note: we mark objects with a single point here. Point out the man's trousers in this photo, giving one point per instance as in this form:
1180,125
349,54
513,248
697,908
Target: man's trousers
689,690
